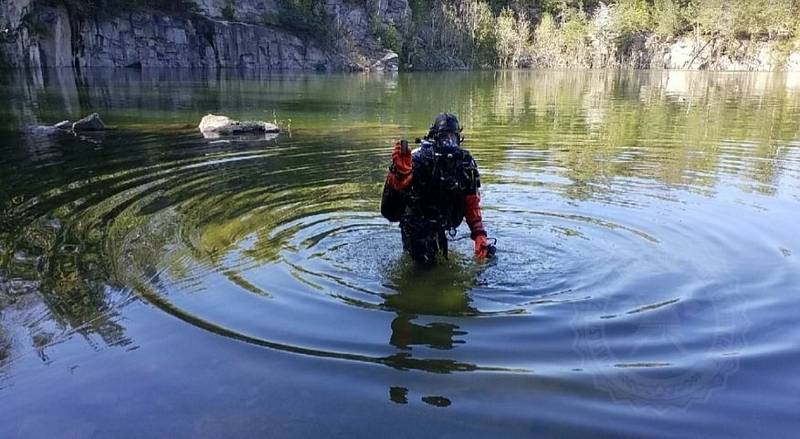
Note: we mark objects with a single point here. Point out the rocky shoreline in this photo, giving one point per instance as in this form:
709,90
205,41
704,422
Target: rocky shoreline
686,53
38,35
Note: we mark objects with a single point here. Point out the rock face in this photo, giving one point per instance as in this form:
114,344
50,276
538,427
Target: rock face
52,36
91,122
213,126
12,12
688,53
39,34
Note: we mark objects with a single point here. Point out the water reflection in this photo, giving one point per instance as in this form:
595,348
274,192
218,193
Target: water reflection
437,292
433,291
276,243
53,286
406,333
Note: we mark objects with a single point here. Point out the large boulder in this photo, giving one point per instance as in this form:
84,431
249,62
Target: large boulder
213,126
91,122
389,62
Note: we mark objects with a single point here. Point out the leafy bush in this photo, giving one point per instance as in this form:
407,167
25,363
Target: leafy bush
564,44
420,8
575,30
669,18
386,35
512,38
84,8
305,16
570,32
631,17
484,35
746,19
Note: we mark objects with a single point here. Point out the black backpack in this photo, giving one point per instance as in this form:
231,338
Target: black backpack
443,177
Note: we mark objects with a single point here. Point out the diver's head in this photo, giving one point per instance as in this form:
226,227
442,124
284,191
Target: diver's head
446,130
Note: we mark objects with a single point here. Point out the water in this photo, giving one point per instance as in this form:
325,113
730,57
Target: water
153,282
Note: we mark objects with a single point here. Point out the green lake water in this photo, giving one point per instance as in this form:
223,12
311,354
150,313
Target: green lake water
157,283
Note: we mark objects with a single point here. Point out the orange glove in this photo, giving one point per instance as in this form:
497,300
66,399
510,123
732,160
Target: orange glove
473,216
400,172
482,247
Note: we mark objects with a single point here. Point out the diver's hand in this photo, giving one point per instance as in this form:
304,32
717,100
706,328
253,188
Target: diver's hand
401,158
400,172
483,249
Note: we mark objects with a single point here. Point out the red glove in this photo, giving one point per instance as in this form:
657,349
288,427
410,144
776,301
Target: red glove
473,215
482,247
400,173
474,218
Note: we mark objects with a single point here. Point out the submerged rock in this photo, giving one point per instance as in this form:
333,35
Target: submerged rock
41,130
91,122
213,126
63,125
44,130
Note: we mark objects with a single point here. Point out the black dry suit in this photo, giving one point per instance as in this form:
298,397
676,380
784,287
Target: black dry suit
443,176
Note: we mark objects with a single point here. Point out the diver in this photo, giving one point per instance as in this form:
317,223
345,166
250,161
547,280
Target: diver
431,190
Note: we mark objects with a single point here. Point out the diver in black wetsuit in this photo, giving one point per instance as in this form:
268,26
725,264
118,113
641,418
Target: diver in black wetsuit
432,190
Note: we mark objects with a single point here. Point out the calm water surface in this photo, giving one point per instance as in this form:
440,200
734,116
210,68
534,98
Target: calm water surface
153,282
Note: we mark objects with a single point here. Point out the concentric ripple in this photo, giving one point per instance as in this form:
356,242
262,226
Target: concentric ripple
634,260
280,244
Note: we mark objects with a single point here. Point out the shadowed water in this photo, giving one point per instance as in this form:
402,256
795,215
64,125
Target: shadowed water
153,282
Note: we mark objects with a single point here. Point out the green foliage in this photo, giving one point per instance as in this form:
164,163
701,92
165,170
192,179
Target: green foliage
547,28
568,43
506,33
484,36
84,8
557,8
512,38
669,18
387,35
469,33
575,30
746,19
390,38
308,16
420,8
163,5
631,17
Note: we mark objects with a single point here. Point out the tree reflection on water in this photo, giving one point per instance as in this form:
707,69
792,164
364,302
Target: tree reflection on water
79,216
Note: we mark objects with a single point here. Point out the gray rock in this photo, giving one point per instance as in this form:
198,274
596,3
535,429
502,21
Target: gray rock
46,130
214,126
91,122
389,62
154,38
19,287
793,62
40,130
63,125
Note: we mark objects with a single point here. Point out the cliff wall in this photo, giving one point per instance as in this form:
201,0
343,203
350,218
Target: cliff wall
40,35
